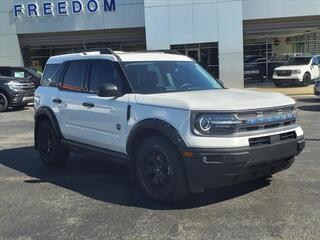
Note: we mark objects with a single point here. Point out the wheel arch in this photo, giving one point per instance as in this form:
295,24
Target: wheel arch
149,127
45,113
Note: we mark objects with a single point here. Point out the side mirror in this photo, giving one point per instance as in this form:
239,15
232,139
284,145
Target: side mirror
108,90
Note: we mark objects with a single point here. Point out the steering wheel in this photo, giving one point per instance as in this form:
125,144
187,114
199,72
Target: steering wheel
185,85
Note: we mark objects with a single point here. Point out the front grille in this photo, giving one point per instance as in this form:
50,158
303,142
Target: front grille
272,139
266,119
259,141
287,136
27,86
283,73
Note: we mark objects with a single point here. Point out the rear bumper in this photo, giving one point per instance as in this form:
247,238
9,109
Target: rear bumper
211,168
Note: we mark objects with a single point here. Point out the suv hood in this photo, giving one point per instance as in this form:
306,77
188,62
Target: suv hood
216,100
291,67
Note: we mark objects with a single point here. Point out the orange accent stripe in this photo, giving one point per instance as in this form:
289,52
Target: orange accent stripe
69,87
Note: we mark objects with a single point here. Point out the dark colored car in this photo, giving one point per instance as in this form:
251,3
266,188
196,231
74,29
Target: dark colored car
257,67
15,92
21,72
254,67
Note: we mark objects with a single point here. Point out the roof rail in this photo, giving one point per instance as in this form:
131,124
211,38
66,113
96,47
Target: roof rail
101,50
176,52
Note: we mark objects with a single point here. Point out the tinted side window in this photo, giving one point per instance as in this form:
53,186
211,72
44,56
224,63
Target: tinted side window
74,75
315,61
103,71
49,72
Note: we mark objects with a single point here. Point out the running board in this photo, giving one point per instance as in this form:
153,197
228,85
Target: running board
96,152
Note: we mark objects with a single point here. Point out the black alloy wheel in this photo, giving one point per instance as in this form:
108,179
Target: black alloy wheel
46,142
51,151
157,170
160,171
306,80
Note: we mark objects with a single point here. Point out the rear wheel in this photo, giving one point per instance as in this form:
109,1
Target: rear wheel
160,172
4,103
51,151
306,80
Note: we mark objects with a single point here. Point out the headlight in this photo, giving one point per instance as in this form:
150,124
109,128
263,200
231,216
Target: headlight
296,71
215,123
15,85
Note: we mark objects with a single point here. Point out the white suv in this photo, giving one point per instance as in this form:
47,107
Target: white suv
171,122
300,70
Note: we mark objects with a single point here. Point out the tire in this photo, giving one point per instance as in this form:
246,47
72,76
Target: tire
306,80
277,83
4,103
50,149
160,172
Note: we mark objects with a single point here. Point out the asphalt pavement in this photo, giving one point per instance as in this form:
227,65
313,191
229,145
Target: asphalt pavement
95,199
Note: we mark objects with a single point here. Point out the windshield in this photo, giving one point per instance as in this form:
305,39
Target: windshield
161,77
298,61
34,72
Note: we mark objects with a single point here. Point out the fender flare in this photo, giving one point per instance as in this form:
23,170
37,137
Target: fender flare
46,112
158,125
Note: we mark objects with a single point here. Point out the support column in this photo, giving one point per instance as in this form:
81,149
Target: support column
230,32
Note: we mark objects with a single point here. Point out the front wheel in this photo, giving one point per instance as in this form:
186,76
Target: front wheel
160,172
51,151
277,83
4,103
306,80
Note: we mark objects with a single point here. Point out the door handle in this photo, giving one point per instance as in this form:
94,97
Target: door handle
57,100
88,104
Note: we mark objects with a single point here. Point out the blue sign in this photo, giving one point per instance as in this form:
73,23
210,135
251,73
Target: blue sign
63,7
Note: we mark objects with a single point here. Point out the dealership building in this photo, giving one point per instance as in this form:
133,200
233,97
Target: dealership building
231,38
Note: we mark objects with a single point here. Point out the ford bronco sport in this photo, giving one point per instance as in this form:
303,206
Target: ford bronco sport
176,127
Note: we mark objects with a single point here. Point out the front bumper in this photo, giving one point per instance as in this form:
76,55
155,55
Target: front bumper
211,168
287,80
21,98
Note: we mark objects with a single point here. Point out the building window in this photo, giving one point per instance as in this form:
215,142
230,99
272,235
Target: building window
206,54
263,53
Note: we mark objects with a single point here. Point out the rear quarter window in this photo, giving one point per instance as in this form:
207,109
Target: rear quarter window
49,71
